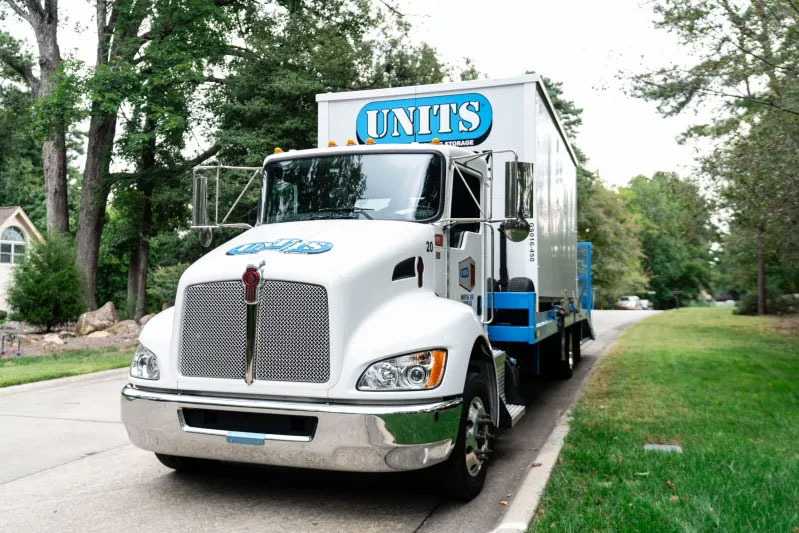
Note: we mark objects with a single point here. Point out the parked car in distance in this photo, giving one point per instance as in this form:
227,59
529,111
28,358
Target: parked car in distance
630,303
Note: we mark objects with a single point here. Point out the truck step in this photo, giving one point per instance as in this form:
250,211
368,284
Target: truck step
511,414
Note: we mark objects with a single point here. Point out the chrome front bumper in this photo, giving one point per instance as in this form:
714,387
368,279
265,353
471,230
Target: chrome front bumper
362,438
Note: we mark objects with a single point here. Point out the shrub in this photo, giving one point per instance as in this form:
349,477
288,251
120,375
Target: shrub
163,285
786,304
46,287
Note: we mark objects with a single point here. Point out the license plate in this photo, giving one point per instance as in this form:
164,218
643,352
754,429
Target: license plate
249,439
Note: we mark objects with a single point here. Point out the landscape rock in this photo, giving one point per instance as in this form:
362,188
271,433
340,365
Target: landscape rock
103,318
124,328
146,318
67,334
98,334
52,338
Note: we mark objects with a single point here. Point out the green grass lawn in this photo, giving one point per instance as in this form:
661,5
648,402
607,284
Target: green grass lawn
726,388
15,371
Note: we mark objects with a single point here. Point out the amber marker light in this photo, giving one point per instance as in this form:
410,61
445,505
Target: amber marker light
278,150
369,140
435,141
437,370
350,142
331,144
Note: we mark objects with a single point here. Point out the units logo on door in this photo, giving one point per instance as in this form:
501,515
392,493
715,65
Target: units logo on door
457,119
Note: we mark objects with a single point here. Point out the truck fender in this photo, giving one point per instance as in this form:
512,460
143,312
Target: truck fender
405,324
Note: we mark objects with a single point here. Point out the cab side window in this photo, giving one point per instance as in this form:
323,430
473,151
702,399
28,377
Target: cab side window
463,205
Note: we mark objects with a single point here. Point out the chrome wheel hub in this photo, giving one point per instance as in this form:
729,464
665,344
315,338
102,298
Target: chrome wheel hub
477,434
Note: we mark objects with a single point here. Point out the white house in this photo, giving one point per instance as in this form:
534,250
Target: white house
16,233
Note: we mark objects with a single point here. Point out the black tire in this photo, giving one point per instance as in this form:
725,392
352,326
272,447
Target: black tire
521,285
181,464
459,478
576,339
565,362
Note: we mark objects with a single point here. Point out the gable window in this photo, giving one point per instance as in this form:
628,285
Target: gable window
12,245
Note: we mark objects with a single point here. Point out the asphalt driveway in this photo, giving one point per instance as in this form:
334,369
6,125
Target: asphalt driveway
66,464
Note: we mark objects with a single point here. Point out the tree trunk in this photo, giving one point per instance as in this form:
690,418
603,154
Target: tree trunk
140,261
54,154
45,27
761,276
94,198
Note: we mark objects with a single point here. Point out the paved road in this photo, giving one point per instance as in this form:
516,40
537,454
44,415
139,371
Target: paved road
66,464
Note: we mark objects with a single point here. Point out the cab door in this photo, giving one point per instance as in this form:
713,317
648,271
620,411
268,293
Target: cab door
464,239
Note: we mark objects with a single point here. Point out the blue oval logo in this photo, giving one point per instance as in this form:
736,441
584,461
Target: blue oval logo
459,119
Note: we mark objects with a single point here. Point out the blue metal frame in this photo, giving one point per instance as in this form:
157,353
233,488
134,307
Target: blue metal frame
513,300
584,274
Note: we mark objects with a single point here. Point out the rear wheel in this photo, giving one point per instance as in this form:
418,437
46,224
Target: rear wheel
462,476
576,338
181,464
565,363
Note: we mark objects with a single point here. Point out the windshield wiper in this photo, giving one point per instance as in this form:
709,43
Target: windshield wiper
349,209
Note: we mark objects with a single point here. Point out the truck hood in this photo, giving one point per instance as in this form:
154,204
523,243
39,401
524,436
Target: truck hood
311,250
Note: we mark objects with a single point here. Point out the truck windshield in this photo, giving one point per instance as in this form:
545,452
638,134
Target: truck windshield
381,186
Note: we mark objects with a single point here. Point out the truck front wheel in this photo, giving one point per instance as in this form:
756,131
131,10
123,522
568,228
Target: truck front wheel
181,464
462,476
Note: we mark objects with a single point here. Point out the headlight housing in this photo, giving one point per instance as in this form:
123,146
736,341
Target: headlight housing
415,371
144,364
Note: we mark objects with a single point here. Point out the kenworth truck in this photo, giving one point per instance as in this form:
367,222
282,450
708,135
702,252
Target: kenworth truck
399,286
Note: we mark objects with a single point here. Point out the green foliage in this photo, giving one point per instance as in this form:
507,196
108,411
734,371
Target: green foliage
746,60
605,220
162,286
676,235
46,287
21,181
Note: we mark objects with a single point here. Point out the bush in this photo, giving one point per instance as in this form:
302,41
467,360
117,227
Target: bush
46,287
163,285
787,304
3,315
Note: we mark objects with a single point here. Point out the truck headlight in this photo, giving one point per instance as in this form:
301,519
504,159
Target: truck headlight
144,364
415,371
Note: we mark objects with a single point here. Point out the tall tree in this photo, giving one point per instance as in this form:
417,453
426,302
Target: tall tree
126,29
676,233
748,67
43,20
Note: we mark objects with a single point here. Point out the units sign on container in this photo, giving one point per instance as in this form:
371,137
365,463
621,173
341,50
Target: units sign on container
460,119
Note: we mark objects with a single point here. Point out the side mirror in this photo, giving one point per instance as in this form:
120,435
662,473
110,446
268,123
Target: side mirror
516,230
206,237
199,215
518,199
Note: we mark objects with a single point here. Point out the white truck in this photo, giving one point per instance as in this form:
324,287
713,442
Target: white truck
399,285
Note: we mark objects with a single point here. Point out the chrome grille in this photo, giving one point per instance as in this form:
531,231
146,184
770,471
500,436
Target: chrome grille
293,342
214,331
292,335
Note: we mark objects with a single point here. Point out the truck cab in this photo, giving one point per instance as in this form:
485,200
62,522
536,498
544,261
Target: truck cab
357,326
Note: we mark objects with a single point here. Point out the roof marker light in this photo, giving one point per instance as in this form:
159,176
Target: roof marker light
435,141
369,140
331,144
350,142
278,150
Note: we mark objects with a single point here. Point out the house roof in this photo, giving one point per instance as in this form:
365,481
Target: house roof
14,210
7,212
